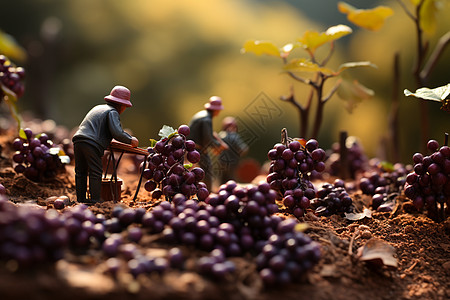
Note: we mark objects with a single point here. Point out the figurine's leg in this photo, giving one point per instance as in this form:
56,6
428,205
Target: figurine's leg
95,178
89,162
81,172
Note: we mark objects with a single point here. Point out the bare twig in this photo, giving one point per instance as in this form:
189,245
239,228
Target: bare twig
435,55
406,9
333,90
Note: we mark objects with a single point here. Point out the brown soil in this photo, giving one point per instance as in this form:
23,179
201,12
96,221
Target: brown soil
422,249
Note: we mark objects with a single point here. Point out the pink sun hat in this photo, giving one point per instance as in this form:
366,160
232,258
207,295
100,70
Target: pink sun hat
120,95
215,103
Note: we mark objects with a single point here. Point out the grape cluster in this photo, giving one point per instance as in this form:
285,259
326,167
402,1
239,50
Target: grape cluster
383,182
30,236
332,199
286,255
36,156
11,77
290,171
166,172
429,184
356,158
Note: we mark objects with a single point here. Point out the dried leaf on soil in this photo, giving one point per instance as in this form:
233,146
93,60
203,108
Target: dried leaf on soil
378,252
359,216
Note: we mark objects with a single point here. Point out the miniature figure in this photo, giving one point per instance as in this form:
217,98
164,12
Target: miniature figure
229,158
204,137
94,135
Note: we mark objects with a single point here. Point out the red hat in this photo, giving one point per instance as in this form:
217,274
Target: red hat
215,103
120,95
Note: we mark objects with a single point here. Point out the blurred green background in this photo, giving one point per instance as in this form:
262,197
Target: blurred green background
174,55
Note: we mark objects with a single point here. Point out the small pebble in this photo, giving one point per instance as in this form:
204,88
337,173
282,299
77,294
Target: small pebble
366,234
409,229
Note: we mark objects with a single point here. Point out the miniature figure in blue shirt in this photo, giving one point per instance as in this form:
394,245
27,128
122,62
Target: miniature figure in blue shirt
95,133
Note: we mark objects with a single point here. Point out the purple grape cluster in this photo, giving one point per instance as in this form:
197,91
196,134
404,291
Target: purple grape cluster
83,227
30,236
286,255
36,156
251,206
11,77
332,199
166,173
356,158
290,171
429,184
383,182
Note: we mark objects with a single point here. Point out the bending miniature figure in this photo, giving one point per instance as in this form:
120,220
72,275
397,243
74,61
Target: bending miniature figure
95,133
205,139
229,158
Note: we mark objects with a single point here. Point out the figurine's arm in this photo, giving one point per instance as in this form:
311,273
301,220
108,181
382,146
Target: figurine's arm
115,127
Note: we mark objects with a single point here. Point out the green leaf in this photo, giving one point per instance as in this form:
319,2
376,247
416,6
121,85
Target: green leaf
153,142
370,19
355,65
22,134
437,94
387,166
11,98
10,48
305,65
166,131
260,48
188,166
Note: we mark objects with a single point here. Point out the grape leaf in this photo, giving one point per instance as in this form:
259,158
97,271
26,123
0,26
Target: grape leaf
22,134
370,19
304,65
353,93
437,94
355,64
11,99
428,15
166,131
378,252
153,142
260,48
10,48
311,40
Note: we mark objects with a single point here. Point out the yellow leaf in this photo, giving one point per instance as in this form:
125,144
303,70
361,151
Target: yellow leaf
312,40
428,16
353,93
304,65
10,48
371,19
260,48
